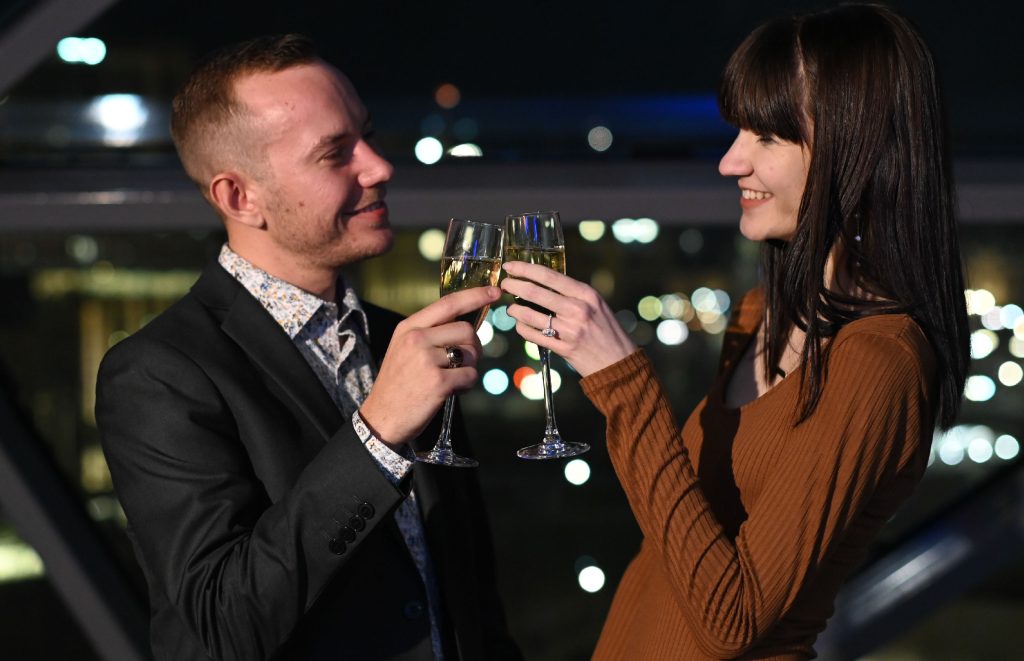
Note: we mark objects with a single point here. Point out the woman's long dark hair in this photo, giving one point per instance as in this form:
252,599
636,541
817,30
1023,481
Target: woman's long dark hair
857,85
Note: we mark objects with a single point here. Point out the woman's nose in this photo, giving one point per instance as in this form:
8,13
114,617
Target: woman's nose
735,162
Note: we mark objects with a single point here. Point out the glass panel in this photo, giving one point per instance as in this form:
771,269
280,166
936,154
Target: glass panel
78,294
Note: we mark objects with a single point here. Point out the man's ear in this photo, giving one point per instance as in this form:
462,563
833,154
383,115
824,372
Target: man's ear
236,198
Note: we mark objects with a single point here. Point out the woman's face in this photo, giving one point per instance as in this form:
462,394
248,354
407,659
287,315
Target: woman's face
771,175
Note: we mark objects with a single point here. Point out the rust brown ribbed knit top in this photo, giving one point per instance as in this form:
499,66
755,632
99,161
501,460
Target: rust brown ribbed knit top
751,524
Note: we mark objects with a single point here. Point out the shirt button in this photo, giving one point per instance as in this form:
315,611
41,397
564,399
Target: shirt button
336,546
366,510
347,534
412,610
357,523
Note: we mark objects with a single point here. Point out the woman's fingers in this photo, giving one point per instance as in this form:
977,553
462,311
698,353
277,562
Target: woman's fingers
542,296
545,276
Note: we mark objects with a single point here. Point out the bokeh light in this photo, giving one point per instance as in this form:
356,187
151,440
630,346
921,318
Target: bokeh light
447,96
466,150
1007,447
672,332
691,241
485,333
627,320
520,374
495,381
979,301
429,150
979,388
591,579
592,230
82,50
603,280
500,319
649,308
1010,373
983,343
599,138
979,450
431,244
1010,315
577,472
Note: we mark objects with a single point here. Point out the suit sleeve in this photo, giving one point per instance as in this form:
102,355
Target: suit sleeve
733,591
239,569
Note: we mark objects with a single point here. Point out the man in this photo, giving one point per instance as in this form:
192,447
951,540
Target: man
260,455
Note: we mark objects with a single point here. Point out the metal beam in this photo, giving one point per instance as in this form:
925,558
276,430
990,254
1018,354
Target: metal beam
680,194
944,559
30,39
47,515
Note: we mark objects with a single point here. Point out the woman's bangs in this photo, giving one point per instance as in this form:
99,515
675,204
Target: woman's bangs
761,89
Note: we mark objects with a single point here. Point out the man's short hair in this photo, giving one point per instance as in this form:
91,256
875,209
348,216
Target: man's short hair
209,125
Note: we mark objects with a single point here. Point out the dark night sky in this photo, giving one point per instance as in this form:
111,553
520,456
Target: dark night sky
534,48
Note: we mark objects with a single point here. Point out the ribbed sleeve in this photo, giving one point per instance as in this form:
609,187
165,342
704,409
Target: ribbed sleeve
810,497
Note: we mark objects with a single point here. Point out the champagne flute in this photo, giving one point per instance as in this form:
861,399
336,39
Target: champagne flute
537,238
471,258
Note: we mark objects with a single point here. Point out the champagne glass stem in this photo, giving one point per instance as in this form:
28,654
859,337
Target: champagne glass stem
444,440
550,426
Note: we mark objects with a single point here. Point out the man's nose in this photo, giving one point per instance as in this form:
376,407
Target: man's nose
374,169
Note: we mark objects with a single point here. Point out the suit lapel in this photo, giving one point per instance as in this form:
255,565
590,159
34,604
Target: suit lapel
269,347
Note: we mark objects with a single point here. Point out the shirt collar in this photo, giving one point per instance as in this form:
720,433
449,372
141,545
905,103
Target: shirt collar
290,306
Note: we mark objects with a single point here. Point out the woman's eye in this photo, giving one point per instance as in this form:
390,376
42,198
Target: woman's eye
766,139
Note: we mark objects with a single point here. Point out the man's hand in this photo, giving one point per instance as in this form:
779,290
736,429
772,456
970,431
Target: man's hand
414,377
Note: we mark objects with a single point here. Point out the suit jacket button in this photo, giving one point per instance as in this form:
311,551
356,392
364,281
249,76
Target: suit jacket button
412,610
347,534
357,523
336,546
366,510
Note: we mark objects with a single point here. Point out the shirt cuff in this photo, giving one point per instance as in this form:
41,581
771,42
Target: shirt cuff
395,466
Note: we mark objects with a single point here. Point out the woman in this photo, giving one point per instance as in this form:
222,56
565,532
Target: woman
833,372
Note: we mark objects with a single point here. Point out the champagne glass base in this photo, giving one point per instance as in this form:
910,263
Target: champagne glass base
446,458
552,450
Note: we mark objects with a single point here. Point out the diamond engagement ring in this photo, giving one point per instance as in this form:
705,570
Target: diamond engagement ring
549,331
454,356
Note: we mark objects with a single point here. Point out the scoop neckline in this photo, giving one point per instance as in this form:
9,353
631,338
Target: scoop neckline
719,386
723,379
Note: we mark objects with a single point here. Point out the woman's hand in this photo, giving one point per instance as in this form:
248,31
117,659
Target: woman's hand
586,332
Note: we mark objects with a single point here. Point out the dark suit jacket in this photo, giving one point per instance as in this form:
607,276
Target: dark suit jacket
262,525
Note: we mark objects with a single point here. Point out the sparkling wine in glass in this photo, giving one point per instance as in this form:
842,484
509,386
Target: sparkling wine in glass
471,258
537,238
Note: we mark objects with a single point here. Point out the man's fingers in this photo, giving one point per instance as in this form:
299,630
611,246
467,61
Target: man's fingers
464,355
449,307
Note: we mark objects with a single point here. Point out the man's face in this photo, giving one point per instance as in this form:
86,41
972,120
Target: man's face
322,189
